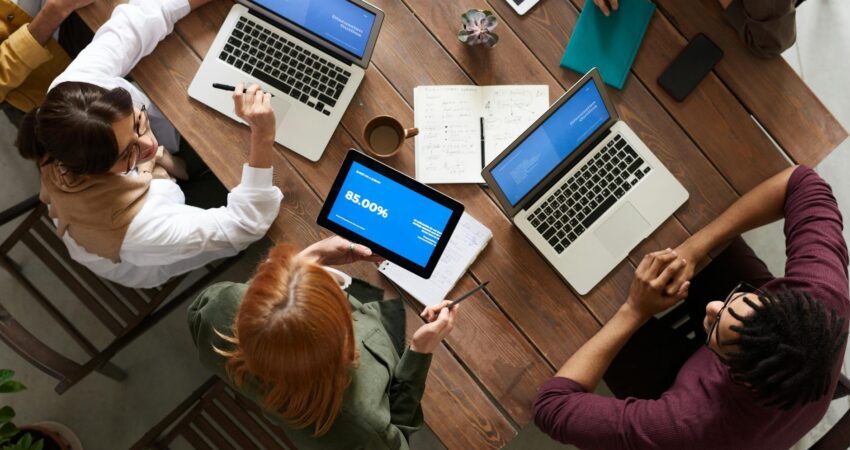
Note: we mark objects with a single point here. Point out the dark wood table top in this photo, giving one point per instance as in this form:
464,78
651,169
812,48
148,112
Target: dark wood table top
484,379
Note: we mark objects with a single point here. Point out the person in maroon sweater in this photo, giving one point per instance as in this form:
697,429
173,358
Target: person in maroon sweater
772,354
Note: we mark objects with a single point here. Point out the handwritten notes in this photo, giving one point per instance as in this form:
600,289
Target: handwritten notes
463,128
468,240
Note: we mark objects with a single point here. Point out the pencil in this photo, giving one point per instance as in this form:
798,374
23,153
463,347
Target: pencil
468,294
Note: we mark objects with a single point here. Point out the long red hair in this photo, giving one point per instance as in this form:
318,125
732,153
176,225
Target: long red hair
294,333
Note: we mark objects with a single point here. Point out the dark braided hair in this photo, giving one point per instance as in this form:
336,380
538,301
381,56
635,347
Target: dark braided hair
788,348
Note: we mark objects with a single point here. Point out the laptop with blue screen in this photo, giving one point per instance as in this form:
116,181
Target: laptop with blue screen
582,187
310,54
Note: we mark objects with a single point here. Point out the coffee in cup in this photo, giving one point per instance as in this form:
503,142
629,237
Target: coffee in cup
384,136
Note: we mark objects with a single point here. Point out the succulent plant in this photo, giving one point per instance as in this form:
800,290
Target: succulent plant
478,27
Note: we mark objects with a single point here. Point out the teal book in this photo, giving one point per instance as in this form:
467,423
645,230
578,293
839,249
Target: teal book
608,43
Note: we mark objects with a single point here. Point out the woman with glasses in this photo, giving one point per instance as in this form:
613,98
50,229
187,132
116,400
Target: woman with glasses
764,361
111,187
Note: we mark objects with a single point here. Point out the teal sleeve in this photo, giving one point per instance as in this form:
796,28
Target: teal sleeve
407,389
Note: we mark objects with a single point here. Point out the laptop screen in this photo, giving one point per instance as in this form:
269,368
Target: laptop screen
552,142
340,22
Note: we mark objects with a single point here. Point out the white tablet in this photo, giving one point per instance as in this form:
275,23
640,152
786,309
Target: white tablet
522,6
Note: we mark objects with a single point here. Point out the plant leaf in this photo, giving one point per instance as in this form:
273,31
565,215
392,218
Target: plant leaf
11,386
39,445
6,414
6,374
7,430
25,441
463,35
491,39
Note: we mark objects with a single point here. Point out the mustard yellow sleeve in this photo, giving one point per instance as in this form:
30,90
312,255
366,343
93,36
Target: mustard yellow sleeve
20,54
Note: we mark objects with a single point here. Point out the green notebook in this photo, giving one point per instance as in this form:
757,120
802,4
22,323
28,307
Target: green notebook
608,43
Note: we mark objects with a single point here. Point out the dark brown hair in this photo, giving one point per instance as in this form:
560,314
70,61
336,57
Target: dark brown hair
74,126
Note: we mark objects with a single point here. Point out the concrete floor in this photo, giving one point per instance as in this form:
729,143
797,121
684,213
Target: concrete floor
109,415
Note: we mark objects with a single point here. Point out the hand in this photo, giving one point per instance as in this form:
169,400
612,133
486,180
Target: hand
254,107
603,5
335,250
175,166
693,254
68,6
440,323
648,295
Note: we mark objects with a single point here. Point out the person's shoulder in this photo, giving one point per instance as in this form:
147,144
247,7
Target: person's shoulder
217,304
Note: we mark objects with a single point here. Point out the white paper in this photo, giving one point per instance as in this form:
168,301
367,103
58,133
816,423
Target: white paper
450,121
467,241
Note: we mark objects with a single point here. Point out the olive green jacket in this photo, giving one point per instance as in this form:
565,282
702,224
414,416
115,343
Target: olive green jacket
381,405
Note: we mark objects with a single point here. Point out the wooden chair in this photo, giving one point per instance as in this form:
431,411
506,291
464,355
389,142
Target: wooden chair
125,313
216,417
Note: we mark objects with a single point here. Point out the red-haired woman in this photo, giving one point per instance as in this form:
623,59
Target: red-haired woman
319,349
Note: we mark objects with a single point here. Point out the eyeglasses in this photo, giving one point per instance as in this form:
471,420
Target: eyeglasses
135,151
739,290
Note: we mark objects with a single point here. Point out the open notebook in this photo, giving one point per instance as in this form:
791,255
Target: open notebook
468,240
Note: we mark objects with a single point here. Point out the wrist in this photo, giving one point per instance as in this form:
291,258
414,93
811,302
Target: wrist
417,349
57,10
632,314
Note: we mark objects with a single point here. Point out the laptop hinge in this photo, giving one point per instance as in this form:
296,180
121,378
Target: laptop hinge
567,167
325,48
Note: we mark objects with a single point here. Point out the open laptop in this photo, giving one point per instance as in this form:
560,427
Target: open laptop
582,187
310,54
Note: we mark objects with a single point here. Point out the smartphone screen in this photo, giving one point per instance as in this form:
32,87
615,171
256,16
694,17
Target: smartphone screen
690,67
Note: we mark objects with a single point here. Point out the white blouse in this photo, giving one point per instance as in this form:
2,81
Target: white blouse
167,237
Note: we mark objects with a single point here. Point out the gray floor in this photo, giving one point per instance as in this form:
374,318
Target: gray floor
108,415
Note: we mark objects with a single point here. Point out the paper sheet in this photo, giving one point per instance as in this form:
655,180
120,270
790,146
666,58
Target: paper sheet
452,120
468,240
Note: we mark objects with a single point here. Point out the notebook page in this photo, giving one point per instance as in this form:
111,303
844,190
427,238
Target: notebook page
448,146
467,241
507,112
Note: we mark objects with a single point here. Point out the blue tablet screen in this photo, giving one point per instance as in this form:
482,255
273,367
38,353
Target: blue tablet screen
390,214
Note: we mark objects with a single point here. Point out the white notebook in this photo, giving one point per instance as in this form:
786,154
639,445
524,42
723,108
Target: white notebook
468,240
463,128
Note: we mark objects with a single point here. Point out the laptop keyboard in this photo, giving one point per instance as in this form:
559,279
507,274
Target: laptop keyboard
587,194
303,75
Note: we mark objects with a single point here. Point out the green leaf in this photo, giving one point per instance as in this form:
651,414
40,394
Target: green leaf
6,374
39,445
6,414
7,430
25,441
11,386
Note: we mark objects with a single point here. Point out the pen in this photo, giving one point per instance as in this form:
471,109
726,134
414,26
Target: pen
227,87
483,162
468,294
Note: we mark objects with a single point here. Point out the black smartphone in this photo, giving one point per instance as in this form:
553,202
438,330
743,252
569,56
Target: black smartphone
690,67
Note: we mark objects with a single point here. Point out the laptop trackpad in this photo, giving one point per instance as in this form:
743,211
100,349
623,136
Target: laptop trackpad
623,230
281,107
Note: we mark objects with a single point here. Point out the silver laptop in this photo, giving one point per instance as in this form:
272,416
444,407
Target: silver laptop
582,187
310,54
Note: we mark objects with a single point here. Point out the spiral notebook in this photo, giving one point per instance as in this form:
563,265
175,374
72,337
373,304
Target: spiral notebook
468,240
608,43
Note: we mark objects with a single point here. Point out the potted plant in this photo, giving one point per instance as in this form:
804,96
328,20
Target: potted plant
478,27
38,436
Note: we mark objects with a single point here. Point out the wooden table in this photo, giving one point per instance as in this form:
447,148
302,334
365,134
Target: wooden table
485,377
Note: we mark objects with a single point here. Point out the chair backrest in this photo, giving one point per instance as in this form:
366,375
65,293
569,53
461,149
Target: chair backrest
117,308
34,350
216,417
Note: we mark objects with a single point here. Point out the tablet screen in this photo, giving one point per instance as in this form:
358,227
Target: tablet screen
383,207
